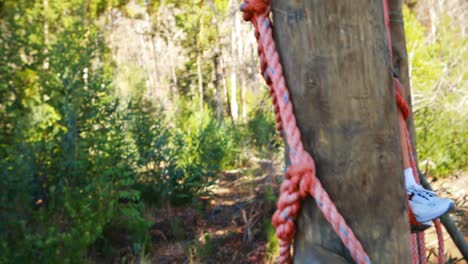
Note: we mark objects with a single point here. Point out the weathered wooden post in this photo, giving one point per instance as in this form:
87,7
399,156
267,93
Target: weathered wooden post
337,68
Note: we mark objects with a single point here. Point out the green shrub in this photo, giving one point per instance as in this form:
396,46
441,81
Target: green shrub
63,150
177,161
262,128
438,78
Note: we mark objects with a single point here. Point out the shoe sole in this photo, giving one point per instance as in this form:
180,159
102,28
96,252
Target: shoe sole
450,207
419,228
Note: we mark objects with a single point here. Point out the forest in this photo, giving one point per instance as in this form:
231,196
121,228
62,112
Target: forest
141,131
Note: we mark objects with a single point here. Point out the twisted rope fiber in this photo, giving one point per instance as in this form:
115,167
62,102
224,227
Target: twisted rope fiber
300,180
259,7
405,111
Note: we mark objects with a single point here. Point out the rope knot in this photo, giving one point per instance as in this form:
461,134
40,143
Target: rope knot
303,174
254,7
296,185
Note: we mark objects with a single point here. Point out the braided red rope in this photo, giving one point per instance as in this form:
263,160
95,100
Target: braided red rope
300,180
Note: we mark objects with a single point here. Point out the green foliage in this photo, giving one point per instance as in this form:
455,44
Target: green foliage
76,161
62,158
262,129
439,81
201,35
272,250
213,140
258,136
178,161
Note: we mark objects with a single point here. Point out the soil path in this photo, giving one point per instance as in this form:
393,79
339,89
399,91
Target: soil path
229,226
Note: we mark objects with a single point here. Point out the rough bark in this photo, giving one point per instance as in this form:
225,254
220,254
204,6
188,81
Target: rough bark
335,59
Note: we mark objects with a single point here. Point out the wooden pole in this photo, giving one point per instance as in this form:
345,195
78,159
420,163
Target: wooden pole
336,64
400,59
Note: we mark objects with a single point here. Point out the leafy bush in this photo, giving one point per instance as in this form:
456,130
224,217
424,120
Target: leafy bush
177,161
63,149
257,137
262,129
438,75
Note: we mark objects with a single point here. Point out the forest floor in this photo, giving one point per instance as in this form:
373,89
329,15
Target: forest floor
233,224
230,226
456,188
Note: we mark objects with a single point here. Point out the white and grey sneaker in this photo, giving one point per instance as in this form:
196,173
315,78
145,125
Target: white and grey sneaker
426,206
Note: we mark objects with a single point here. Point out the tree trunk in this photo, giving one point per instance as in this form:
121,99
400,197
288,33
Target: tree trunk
234,105
335,60
225,88
219,108
241,67
199,63
173,87
242,97
141,62
234,68
200,79
400,58
157,81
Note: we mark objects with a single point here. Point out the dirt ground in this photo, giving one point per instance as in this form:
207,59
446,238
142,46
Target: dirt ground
233,225
456,188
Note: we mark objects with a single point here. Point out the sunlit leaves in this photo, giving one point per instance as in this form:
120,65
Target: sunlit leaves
438,65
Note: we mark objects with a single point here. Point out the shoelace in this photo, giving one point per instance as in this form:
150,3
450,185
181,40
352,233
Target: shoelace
421,192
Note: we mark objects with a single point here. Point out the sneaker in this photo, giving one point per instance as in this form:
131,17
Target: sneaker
426,206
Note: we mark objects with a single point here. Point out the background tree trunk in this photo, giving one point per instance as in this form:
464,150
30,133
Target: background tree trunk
200,79
218,74
217,84
400,58
335,59
234,65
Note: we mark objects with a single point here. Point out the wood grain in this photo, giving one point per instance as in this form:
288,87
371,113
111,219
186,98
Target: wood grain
338,73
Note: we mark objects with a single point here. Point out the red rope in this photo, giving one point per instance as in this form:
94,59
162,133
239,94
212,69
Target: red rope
300,180
414,249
